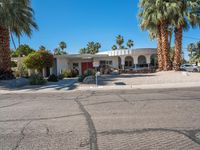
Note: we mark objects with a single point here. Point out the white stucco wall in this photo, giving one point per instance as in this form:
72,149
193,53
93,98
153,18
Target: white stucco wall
62,64
114,60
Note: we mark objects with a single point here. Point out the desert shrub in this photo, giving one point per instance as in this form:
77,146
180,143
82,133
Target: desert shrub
74,73
67,73
39,60
13,64
37,80
6,75
89,72
21,70
60,77
70,73
80,78
53,78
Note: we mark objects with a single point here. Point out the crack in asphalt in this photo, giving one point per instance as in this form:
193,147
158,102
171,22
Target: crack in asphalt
11,105
190,134
38,119
171,99
125,100
107,102
91,126
22,134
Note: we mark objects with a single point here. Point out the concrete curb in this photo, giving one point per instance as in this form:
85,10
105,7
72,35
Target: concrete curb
102,88
144,86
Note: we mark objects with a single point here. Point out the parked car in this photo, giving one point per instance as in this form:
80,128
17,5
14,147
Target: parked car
189,68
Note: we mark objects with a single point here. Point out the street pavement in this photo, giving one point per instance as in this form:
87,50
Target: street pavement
159,119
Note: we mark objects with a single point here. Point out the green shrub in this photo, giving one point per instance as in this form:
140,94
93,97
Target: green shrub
53,78
69,73
60,77
13,64
37,80
89,72
80,78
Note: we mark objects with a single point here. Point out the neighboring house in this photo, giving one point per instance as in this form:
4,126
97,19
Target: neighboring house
119,59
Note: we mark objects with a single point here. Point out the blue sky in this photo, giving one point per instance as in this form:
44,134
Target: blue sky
79,21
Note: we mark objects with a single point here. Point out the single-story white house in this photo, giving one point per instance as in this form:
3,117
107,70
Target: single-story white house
119,59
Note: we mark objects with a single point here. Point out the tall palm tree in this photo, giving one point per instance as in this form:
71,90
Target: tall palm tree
62,45
191,48
156,15
182,20
153,30
119,41
16,17
130,44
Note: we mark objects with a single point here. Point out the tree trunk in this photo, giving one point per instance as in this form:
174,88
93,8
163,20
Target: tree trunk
159,49
5,59
165,46
178,48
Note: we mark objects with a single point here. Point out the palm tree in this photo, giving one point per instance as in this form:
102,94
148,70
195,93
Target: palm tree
16,17
119,41
154,33
83,51
42,47
155,15
114,47
57,51
191,48
130,44
182,19
62,45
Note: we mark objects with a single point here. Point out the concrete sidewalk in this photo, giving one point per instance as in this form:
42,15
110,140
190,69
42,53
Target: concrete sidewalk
66,88
143,86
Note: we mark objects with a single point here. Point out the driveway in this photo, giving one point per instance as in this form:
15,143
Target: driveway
104,120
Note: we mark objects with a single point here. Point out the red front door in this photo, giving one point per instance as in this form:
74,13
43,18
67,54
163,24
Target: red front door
86,65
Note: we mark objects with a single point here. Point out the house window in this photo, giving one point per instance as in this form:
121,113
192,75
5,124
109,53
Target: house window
105,62
75,65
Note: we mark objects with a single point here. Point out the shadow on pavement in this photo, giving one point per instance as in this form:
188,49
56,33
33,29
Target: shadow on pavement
62,84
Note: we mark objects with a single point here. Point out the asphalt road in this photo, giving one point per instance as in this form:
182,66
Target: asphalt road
104,120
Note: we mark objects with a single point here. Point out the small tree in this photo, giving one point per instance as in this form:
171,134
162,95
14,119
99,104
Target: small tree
39,60
24,50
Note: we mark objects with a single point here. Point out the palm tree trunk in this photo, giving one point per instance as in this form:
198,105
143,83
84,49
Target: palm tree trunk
165,46
5,59
19,41
178,48
159,49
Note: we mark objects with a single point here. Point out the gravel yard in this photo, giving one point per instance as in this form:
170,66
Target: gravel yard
150,78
